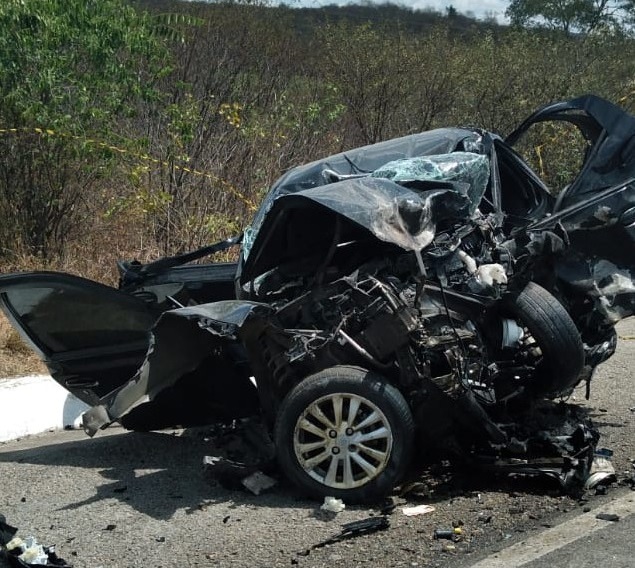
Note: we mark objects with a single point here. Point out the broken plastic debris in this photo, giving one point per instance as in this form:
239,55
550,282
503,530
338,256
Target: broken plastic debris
602,471
6,531
29,552
332,505
34,553
448,534
388,506
258,482
14,543
607,517
351,530
228,473
418,510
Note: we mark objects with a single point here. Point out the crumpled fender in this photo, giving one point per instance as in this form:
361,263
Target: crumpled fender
180,340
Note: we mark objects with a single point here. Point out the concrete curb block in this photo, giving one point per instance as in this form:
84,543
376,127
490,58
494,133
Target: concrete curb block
30,405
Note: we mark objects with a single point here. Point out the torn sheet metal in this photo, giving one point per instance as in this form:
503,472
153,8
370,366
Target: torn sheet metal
362,160
391,212
553,440
611,287
180,341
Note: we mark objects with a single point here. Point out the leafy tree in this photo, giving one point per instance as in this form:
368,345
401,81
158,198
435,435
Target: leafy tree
568,15
74,62
390,82
68,70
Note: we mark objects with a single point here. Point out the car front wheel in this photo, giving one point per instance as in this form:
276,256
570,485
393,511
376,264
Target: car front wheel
344,432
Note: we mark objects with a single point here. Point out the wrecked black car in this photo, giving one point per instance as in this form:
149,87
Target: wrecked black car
426,292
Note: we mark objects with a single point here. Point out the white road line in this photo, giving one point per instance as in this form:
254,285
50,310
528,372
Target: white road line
554,538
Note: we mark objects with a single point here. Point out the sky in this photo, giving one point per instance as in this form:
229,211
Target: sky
479,9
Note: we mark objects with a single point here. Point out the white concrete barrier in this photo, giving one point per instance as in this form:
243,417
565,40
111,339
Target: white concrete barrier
29,405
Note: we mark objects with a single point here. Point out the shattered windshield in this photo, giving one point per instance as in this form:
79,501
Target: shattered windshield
470,170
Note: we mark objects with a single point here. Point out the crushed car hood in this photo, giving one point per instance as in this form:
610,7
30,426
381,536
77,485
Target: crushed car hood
358,161
400,202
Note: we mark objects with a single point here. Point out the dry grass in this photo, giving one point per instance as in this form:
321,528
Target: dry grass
16,359
91,255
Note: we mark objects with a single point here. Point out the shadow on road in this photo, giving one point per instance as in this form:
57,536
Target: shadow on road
155,473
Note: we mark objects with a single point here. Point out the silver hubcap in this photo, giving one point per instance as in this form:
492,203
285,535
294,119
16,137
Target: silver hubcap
342,440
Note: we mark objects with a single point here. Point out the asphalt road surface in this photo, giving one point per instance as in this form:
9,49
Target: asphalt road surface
128,499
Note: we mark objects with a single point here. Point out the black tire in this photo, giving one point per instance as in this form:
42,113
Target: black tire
383,446
557,336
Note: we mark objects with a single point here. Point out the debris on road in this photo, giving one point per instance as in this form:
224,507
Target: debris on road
6,531
332,505
245,456
388,506
364,526
607,517
227,472
28,552
258,482
602,471
234,475
352,530
417,510
448,534
485,518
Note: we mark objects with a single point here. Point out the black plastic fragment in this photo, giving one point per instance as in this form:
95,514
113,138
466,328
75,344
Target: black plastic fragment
447,534
351,530
228,473
6,531
365,526
53,561
608,517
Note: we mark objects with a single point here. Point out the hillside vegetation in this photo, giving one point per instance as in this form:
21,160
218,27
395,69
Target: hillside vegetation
132,130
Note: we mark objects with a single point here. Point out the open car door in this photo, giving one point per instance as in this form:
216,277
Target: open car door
610,135
92,337
597,210
598,207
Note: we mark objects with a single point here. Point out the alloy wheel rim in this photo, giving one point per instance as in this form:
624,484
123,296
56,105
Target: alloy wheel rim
343,440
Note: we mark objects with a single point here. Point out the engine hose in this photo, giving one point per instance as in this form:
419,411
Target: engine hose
365,354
